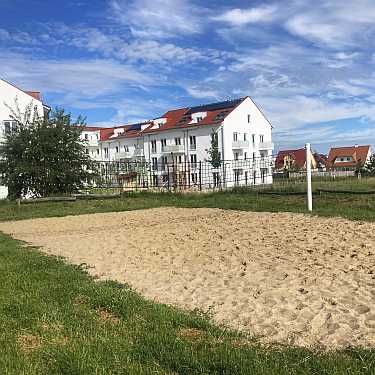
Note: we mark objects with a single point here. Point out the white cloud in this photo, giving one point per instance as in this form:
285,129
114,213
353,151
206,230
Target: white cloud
200,92
240,17
88,78
158,18
333,23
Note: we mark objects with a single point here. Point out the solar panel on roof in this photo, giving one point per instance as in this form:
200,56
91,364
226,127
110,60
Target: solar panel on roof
135,127
215,106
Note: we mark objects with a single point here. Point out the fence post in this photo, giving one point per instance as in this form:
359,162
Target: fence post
308,177
200,176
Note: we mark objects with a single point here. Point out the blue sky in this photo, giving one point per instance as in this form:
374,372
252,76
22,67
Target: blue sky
309,65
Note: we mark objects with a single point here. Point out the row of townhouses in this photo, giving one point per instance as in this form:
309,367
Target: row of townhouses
339,159
183,137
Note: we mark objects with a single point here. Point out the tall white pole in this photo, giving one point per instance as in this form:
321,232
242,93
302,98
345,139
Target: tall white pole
308,177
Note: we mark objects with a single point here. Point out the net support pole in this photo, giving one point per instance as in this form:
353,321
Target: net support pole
308,177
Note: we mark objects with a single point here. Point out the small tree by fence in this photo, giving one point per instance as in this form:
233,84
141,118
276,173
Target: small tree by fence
44,157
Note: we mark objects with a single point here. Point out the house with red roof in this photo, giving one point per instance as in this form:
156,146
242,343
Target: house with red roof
183,136
293,160
348,158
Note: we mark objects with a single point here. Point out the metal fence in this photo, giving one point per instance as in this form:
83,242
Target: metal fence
185,175
257,173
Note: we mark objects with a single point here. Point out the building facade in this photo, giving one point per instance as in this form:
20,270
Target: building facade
183,138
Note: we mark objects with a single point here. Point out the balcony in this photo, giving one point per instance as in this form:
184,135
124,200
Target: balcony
266,146
173,149
138,152
238,145
122,155
93,143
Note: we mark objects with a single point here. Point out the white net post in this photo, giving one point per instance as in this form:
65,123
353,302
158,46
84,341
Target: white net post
308,177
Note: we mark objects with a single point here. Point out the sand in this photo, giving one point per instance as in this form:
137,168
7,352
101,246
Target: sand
290,278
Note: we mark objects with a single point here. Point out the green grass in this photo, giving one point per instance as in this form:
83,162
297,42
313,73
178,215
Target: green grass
54,319
355,207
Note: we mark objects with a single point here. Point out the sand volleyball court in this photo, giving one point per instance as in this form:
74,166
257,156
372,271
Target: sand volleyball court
283,277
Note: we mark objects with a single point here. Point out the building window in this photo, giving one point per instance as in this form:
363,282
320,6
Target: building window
216,177
179,159
261,138
153,146
126,148
245,156
155,180
193,142
237,176
164,161
163,144
86,136
236,156
87,151
245,137
194,178
263,173
117,149
255,177
193,160
177,141
10,126
235,137
97,151
199,119
248,119
253,138
106,152
154,164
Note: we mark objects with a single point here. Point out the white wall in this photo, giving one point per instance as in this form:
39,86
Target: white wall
8,95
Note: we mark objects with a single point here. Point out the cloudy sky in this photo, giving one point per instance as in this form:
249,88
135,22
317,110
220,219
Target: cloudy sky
308,64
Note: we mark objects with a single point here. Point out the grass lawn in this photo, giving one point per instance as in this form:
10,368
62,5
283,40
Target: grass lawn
55,319
355,207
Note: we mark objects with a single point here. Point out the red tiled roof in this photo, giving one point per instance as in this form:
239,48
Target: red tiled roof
358,153
299,157
178,119
35,94
92,128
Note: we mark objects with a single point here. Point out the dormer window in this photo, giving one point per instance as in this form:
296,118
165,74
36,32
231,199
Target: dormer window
248,119
199,119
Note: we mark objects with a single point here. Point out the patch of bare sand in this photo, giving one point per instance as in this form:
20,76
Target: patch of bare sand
303,280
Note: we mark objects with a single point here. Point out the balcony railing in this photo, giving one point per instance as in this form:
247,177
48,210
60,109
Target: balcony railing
122,155
266,146
192,147
138,152
236,145
175,149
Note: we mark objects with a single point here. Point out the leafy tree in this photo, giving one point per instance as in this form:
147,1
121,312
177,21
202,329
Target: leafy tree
44,156
214,153
368,169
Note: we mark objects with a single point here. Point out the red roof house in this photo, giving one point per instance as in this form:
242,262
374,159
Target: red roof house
348,158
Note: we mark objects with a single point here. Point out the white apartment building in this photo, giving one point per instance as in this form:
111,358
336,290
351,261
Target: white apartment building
183,137
12,97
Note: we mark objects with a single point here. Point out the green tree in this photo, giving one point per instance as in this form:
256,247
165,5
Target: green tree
368,169
45,156
214,153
